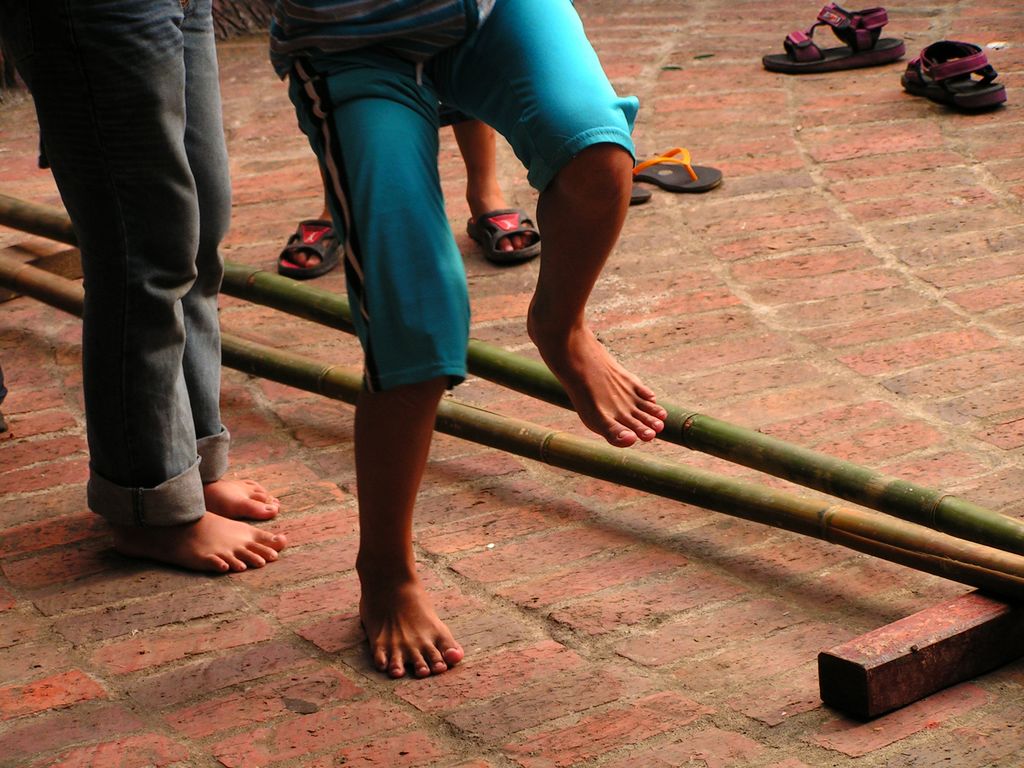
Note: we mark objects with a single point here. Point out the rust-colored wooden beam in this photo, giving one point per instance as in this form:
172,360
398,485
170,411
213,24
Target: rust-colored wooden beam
914,657
66,263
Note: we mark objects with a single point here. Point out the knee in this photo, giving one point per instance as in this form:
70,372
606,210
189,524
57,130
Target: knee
214,216
601,175
214,220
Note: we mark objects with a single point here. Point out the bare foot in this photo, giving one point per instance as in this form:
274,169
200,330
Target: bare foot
609,399
404,631
211,543
240,500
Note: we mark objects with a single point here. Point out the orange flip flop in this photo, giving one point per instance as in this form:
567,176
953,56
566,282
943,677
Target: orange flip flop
673,171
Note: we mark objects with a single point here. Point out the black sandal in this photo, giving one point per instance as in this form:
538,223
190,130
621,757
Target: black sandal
315,237
490,228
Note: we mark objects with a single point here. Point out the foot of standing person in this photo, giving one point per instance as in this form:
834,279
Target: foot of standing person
240,500
212,543
609,400
402,628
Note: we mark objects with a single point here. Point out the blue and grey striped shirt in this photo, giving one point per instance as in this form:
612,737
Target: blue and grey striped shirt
413,29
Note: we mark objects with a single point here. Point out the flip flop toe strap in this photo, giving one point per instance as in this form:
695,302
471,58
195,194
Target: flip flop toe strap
676,155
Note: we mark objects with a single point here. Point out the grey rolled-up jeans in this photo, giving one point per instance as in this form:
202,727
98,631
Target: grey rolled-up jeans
128,101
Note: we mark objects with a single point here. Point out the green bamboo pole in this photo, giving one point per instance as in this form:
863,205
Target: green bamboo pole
683,426
886,537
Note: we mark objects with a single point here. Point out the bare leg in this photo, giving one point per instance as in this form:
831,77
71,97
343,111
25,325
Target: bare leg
240,500
477,144
580,216
212,543
393,434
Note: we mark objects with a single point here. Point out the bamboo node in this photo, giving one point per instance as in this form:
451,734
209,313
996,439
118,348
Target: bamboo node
545,442
325,374
933,509
825,521
686,425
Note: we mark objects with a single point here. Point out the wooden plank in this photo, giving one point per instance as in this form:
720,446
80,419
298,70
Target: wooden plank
914,657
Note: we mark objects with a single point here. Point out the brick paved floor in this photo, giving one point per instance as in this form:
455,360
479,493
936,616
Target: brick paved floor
853,286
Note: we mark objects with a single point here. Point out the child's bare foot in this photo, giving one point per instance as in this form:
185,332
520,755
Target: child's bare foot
211,543
404,631
240,500
609,399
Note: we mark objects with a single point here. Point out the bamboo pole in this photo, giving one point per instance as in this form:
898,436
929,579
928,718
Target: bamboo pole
869,532
684,426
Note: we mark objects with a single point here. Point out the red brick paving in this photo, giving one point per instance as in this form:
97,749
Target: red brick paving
853,286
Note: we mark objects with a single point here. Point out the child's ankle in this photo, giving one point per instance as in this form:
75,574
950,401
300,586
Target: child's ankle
550,327
382,572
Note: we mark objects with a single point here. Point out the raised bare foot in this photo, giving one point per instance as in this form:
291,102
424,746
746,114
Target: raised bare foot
211,543
240,500
610,400
404,631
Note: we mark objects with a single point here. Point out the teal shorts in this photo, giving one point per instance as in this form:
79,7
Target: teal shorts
372,120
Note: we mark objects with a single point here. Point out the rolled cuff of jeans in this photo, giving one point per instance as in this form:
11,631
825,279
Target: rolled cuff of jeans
177,501
213,455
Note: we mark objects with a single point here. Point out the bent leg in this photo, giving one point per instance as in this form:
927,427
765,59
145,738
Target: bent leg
531,73
581,213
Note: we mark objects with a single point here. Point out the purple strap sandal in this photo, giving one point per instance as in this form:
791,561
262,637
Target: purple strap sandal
954,73
859,30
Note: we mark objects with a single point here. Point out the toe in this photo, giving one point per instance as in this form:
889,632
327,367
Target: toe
234,563
432,655
276,541
643,391
250,558
453,654
267,553
652,408
380,659
258,511
648,423
216,564
628,430
621,437
396,665
419,666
